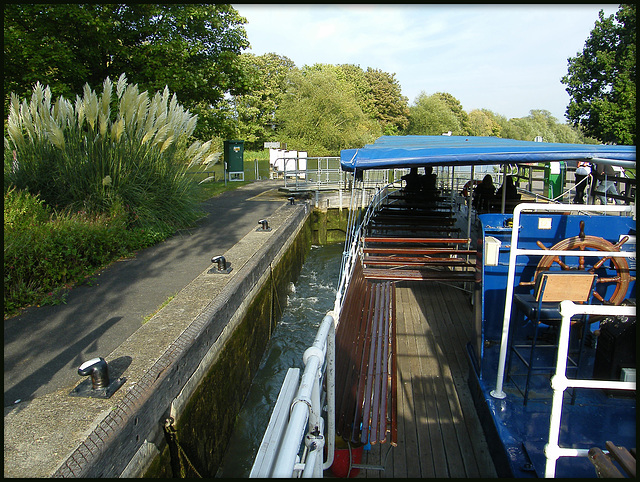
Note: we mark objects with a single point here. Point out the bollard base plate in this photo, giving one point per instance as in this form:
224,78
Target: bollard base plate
215,270
85,389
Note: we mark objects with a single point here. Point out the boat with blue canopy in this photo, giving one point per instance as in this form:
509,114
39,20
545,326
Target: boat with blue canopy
466,334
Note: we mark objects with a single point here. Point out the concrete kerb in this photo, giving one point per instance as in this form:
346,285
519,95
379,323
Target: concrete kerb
62,436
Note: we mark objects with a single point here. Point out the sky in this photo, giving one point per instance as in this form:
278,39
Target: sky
505,58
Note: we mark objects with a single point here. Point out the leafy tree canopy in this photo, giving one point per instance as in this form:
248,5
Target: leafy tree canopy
601,80
390,107
482,122
320,113
456,107
540,123
432,116
256,109
191,48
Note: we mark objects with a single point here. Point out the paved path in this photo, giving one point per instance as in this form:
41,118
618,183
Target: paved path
44,346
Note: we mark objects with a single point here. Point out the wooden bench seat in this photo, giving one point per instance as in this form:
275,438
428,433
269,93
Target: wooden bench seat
435,210
412,228
400,195
418,274
418,251
401,239
415,258
414,220
415,261
366,367
416,207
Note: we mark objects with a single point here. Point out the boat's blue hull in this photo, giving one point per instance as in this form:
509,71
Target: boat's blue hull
517,433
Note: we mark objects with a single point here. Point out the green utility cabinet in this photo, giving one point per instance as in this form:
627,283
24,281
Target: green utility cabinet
234,159
554,178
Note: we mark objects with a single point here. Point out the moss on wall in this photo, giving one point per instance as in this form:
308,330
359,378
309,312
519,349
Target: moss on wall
329,225
204,429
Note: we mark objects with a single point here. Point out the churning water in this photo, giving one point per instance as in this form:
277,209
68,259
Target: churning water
308,301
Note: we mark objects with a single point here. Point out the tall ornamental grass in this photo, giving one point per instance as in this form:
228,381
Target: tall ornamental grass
122,150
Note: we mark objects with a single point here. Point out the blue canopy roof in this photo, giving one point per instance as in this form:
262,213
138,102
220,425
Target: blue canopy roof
415,151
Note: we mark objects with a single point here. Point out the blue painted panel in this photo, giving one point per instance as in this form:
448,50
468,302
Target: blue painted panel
494,278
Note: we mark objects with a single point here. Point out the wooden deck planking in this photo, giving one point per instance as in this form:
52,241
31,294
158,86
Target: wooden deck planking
423,416
445,320
442,383
439,434
427,358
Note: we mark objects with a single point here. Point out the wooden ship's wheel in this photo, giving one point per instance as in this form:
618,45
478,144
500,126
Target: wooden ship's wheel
591,263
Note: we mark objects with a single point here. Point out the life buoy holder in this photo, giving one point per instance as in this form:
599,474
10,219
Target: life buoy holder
467,187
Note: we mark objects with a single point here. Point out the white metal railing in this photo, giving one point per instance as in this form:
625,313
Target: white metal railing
305,423
560,382
354,241
515,252
322,177
325,176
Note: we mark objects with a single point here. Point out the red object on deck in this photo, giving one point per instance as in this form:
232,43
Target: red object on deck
340,466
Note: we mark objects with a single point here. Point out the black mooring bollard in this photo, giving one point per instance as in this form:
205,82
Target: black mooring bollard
101,385
99,371
264,225
223,266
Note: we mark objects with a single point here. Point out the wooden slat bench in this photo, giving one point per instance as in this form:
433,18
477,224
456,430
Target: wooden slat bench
418,251
403,195
419,274
366,367
416,208
398,258
414,220
400,209
415,261
401,239
411,228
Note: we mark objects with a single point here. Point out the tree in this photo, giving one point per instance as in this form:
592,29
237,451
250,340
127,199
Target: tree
540,123
379,95
390,107
319,113
601,80
256,110
357,80
432,116
456,107
191,48
482,123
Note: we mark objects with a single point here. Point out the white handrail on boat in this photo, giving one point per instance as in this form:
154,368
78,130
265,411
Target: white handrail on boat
354,241
305,412
272,438
514,252
560,382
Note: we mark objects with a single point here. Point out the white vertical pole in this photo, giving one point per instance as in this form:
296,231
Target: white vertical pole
511,273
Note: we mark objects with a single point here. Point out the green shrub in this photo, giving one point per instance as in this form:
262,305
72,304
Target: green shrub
46,252
22,210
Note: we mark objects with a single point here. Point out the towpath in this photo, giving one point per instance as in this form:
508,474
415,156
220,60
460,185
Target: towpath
44,346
